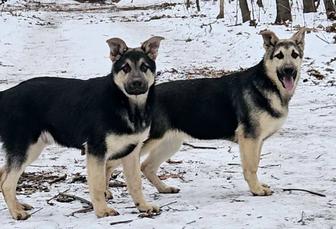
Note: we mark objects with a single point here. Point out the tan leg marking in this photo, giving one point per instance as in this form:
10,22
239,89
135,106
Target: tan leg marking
162,152
97,186
250,156
111,165
10,178
131,167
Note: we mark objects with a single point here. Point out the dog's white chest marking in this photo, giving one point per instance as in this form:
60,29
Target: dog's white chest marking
269,125
116,143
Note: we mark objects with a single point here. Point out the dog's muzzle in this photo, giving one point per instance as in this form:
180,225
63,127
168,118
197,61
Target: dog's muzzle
136,87
287,76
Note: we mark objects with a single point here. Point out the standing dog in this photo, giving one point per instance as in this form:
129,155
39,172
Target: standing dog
109,115
245,107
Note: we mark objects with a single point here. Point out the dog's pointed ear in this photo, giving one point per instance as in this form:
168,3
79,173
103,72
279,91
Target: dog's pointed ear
151,46
299,37
117,48
270,39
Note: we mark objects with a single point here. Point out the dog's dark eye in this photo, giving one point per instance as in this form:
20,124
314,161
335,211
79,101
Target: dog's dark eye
280,55
126,68
144,68
294,54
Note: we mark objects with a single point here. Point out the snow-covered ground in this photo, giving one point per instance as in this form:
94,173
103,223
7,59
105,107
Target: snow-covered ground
213,192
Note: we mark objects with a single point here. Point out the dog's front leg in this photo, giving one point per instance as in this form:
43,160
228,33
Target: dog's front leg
250,149
131,168
97,186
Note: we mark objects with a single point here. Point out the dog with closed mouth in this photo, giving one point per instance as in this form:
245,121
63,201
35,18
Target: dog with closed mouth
245,107
109,116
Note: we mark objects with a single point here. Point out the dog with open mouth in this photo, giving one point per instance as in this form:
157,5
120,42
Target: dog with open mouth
245,107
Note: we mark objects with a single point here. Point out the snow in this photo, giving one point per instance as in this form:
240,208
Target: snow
213,191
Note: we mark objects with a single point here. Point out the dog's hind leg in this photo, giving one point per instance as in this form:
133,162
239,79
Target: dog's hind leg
162,152
111,165
131,167
250,149
11,175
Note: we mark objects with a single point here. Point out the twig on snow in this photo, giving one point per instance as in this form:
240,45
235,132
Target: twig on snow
302,219
120,222
36,211
303,190
322,39
61,178
165,205
82,200
54,197
83,210
199,147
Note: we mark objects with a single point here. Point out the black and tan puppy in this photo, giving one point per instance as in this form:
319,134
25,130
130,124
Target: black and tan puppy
245,107
109,115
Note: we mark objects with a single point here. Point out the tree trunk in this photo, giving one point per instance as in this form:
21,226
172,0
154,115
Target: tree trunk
330,9
244,10
283,12
260,3
309,6
188,4
221,9
198,5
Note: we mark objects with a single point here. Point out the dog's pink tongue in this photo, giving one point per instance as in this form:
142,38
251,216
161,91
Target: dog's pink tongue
288,82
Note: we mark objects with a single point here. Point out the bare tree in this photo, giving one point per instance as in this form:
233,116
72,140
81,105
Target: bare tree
309,6
188,3
330,9
246,15
198,5
284,12
221,9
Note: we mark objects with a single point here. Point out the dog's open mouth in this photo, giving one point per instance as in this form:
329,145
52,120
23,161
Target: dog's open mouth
287,80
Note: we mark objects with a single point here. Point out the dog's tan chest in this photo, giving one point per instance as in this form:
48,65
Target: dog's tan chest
269,125
116,143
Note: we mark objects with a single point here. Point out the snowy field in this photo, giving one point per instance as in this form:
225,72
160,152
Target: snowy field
64,40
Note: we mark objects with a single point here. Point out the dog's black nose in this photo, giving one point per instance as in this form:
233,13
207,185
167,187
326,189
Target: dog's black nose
137,87
289,71
137,84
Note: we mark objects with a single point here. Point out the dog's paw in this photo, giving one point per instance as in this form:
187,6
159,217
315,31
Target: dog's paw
106,212
147,207
23,206
108,194
262,190
20,214
169,189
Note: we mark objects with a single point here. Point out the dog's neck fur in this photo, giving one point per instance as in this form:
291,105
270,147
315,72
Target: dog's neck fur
138,109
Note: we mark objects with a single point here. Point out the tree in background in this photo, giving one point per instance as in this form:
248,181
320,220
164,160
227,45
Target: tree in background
284,12
309,6
330,9
246,14
221,9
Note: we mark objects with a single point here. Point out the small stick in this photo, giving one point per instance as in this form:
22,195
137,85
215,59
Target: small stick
165,205
303,190
36,211
323,39
82,200
61,178
124,221
54,197
199,147
83,210
267,166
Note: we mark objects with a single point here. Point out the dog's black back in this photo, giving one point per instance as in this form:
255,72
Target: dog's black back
220,105
73,111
